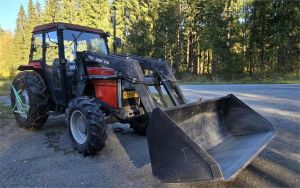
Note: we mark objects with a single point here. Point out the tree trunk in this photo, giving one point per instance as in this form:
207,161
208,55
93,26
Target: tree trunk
179,40
191,52
214,64
197,60
188,62
262,47
208,63
205,62
202,61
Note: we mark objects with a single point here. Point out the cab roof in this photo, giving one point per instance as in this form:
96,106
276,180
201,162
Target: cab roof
61,25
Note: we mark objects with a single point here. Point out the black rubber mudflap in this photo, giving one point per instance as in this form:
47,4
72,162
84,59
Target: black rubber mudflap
209,140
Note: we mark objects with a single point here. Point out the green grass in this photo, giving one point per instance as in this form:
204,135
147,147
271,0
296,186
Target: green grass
191,79
5,112
5,87
6,116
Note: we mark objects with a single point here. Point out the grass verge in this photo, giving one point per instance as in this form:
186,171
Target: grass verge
5,111
5,87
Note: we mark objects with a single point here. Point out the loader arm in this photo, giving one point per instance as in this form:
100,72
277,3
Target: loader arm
131,68
162,70
166,77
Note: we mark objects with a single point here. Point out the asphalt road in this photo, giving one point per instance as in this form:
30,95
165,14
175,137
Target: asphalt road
45,158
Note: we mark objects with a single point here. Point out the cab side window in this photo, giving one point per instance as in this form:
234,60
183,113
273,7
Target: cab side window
37,42
51,48
52,58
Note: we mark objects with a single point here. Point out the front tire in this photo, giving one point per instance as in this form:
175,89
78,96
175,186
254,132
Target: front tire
31,92
87,127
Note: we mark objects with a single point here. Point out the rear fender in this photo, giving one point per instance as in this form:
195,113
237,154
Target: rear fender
34,65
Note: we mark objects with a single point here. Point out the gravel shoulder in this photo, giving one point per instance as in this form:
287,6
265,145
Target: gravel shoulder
45,158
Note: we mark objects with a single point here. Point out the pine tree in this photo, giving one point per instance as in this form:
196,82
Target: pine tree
39,13
166,31
6,54
96,14
20,50
28,26
121,26
70,11
52,11
32,15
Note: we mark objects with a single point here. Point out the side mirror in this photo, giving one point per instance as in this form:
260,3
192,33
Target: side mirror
118,42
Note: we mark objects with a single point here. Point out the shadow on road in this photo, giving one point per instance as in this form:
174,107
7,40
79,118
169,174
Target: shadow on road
135,146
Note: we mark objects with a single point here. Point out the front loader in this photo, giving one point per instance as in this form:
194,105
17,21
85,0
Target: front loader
71,71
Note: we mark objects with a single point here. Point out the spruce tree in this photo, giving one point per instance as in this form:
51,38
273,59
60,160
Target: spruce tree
20,50
96,13
29,25
70,11
7,57
52,11
39,12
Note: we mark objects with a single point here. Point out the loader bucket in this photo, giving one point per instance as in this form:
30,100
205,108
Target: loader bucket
208,140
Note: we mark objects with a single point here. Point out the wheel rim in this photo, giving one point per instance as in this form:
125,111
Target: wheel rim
25,96
78,126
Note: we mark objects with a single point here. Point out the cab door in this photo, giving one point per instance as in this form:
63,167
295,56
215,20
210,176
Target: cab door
52,67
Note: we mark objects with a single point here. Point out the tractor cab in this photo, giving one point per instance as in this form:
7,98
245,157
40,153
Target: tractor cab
54,51
54,47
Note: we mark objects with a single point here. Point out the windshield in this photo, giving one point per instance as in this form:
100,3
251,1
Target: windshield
77,41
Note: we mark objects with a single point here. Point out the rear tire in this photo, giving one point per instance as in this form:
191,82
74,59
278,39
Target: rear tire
33,93
87,127
140,124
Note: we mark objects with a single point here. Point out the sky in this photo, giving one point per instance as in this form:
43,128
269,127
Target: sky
9,11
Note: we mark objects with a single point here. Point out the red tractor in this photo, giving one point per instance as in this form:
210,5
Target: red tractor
72,72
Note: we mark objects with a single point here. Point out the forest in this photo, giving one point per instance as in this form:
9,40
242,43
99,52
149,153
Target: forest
212,39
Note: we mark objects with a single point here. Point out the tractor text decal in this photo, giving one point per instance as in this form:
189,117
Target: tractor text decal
97,59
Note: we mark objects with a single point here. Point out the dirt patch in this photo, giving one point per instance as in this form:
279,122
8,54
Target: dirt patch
53,142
